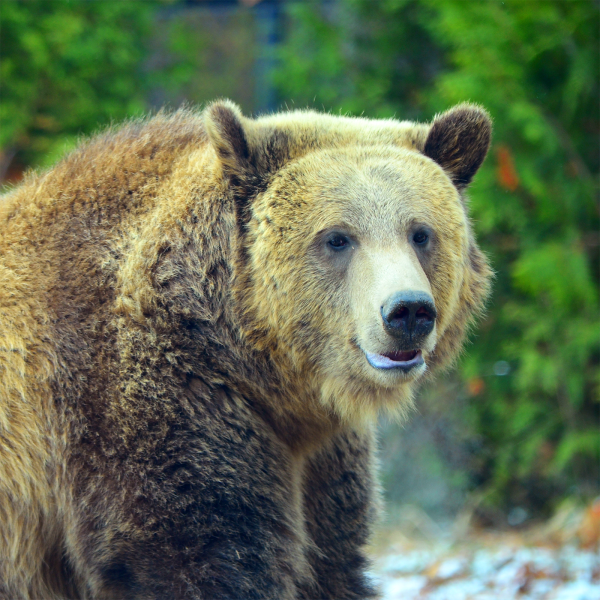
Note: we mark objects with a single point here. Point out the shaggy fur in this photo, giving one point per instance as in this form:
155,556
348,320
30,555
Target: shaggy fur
185,406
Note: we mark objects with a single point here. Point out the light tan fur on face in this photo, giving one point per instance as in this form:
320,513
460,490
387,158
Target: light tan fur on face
380,272
329,318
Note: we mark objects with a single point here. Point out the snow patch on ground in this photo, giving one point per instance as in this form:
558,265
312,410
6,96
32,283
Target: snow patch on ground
490,571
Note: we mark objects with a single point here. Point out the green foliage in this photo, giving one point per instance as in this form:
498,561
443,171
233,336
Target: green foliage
211,54
68,67
338,57
535,66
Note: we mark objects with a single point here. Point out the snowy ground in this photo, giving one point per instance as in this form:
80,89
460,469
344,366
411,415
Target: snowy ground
492,573
487,565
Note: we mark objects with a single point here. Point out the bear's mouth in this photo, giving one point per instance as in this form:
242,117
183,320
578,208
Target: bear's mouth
402,360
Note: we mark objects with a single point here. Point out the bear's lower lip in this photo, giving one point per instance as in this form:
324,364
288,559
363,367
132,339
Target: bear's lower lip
404,361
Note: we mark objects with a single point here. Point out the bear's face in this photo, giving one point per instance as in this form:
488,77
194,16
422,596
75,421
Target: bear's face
359,262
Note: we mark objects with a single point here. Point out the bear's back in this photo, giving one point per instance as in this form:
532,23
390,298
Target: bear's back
56,232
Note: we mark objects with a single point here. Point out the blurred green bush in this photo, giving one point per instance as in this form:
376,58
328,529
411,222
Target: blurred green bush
532,371
69,68
64,70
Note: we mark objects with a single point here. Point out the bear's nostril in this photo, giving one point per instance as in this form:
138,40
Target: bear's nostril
424,314
401,313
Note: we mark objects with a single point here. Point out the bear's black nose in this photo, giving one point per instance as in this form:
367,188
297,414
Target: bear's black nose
409,317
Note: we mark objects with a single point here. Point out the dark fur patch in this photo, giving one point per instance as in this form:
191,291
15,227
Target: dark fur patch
458,141
118,572
276,151
228,137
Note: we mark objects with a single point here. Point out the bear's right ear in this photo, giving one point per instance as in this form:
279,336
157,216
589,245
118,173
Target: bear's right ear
248,151
227,134
459,140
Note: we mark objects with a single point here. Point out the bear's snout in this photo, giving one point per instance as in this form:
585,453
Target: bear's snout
409,317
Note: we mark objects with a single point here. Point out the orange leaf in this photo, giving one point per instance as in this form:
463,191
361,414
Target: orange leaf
506,172
476,386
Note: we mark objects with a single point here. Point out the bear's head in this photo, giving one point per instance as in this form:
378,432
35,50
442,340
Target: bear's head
357,269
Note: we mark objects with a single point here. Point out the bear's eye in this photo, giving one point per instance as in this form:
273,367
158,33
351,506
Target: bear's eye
338,241
421,237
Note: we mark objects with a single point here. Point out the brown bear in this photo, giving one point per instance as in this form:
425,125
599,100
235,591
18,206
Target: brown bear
201,316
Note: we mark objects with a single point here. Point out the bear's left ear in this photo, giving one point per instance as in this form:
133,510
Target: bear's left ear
459,140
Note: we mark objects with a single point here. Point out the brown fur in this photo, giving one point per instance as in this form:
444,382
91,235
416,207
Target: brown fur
185,406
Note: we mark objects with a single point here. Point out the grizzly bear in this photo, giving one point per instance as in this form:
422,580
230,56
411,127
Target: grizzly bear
201,316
